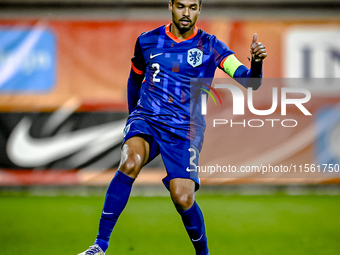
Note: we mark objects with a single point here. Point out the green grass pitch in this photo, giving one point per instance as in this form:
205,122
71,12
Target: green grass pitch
278,224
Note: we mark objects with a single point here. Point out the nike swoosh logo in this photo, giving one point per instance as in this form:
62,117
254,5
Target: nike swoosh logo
197,239
107,213
26,151
153,56
190,170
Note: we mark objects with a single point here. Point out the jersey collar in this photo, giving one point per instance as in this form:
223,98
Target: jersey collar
177,40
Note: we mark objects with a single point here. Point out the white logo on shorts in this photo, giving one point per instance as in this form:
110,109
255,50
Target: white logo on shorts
126,129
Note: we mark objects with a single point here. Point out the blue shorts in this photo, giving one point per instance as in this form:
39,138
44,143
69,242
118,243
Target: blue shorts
178,154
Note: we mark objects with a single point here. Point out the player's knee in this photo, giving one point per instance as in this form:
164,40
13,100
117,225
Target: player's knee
131,166
183,201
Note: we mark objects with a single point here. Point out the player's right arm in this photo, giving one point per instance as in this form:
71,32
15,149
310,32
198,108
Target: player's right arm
136,77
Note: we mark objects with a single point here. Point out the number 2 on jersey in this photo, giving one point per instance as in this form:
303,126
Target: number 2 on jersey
156,65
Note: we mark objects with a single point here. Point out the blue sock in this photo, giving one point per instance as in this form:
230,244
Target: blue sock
194,224
116,199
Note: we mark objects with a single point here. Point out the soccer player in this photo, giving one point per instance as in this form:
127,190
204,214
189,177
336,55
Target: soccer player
165,60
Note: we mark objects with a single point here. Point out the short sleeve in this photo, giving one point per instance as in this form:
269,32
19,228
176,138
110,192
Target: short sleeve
138,62
221,51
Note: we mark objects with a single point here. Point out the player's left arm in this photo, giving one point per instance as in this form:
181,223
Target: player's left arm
234,68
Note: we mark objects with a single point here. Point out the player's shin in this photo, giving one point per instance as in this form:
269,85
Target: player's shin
116,199
194,224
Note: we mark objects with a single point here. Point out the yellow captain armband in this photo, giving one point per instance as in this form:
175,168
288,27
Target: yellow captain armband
230,65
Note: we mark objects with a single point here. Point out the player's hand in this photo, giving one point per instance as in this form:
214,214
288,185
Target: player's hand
257,50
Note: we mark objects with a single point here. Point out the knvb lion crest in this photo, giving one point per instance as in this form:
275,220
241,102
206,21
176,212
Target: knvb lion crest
195,57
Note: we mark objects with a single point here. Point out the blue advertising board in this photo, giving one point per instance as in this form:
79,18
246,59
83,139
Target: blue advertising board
27,60
328,139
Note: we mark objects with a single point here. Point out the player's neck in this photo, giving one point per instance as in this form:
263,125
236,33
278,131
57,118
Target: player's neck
182,36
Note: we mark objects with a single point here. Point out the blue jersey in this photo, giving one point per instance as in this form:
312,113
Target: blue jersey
169,65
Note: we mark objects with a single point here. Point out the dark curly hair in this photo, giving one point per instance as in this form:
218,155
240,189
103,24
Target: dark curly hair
172,1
